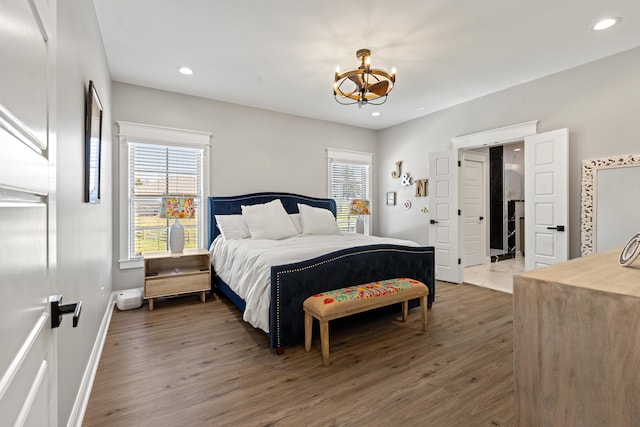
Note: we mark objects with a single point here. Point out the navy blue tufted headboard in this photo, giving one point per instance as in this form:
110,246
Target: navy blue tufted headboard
231,205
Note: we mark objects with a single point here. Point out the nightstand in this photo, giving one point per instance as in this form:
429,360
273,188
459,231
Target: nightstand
167,273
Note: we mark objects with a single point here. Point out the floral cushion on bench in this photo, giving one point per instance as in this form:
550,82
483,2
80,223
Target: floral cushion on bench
368,290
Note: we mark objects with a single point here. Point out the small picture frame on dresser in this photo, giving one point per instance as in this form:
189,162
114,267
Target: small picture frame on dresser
391,198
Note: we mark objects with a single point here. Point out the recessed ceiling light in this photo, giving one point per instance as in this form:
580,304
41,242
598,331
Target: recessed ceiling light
375,113
606,23
186,71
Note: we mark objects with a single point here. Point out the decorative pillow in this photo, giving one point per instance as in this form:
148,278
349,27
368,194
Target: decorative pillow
232,227
297,222
317,220
268,221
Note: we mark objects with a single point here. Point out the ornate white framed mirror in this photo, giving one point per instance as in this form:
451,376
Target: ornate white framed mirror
610,202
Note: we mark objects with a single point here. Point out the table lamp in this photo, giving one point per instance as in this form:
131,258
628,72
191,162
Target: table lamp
177,208
359,207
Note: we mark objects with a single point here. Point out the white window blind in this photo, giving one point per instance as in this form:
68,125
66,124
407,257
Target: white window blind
156,171
349,178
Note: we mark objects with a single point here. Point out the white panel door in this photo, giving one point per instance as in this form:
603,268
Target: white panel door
27,213
473,209
546,187
443,206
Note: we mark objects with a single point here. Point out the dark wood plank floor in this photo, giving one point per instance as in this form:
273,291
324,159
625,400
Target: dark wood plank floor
194,364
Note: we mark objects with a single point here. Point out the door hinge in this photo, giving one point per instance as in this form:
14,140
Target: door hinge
459,163
459,212
459,261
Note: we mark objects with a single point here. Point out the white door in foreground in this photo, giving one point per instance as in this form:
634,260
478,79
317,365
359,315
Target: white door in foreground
27,213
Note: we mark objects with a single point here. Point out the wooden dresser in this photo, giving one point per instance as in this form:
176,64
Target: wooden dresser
577,344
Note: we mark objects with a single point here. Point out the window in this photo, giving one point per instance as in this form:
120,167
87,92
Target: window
160,162
156,171
349,178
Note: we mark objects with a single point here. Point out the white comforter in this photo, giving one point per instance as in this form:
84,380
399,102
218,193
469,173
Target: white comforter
245,264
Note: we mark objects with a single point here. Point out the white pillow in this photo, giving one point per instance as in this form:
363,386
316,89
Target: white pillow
268,221
232,227
317,220
297,222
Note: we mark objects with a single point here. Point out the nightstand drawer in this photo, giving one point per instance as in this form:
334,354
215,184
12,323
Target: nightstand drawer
164,286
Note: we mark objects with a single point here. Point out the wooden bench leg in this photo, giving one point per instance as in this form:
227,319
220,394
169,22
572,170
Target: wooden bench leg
324,341
423,311
405,310
308,331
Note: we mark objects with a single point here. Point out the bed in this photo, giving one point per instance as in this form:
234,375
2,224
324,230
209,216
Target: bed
289,283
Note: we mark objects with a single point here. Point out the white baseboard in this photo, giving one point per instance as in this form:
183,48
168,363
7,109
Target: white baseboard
82,398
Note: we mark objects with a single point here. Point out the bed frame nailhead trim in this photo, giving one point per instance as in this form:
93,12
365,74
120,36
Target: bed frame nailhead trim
294,270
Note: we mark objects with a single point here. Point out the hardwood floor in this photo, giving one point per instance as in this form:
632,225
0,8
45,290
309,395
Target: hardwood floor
194,364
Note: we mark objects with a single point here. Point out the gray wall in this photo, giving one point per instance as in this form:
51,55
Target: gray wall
598,103
251,149
84,231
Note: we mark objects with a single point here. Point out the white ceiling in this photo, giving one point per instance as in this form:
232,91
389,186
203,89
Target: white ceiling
281,55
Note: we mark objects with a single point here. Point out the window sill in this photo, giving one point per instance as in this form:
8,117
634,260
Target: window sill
126,264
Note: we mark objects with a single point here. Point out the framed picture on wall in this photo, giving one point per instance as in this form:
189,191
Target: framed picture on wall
92,142
391,198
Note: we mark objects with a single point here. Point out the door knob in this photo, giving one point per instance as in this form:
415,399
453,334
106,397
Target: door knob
481,218
559,228
433,221
57,310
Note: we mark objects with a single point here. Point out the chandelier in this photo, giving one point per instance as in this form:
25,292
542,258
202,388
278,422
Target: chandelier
363,85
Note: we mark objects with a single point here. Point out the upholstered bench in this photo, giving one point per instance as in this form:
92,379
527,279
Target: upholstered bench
343,302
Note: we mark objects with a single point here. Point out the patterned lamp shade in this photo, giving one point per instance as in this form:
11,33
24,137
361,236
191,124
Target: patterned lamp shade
177,207
359,207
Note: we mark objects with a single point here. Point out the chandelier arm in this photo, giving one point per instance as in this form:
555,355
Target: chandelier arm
340,101
383,73
384,99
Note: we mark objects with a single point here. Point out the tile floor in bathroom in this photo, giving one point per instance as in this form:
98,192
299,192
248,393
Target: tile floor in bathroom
495,275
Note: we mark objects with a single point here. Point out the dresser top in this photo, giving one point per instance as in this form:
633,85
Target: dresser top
600,272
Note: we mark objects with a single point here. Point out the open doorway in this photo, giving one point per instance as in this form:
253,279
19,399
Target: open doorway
502,255
546,190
